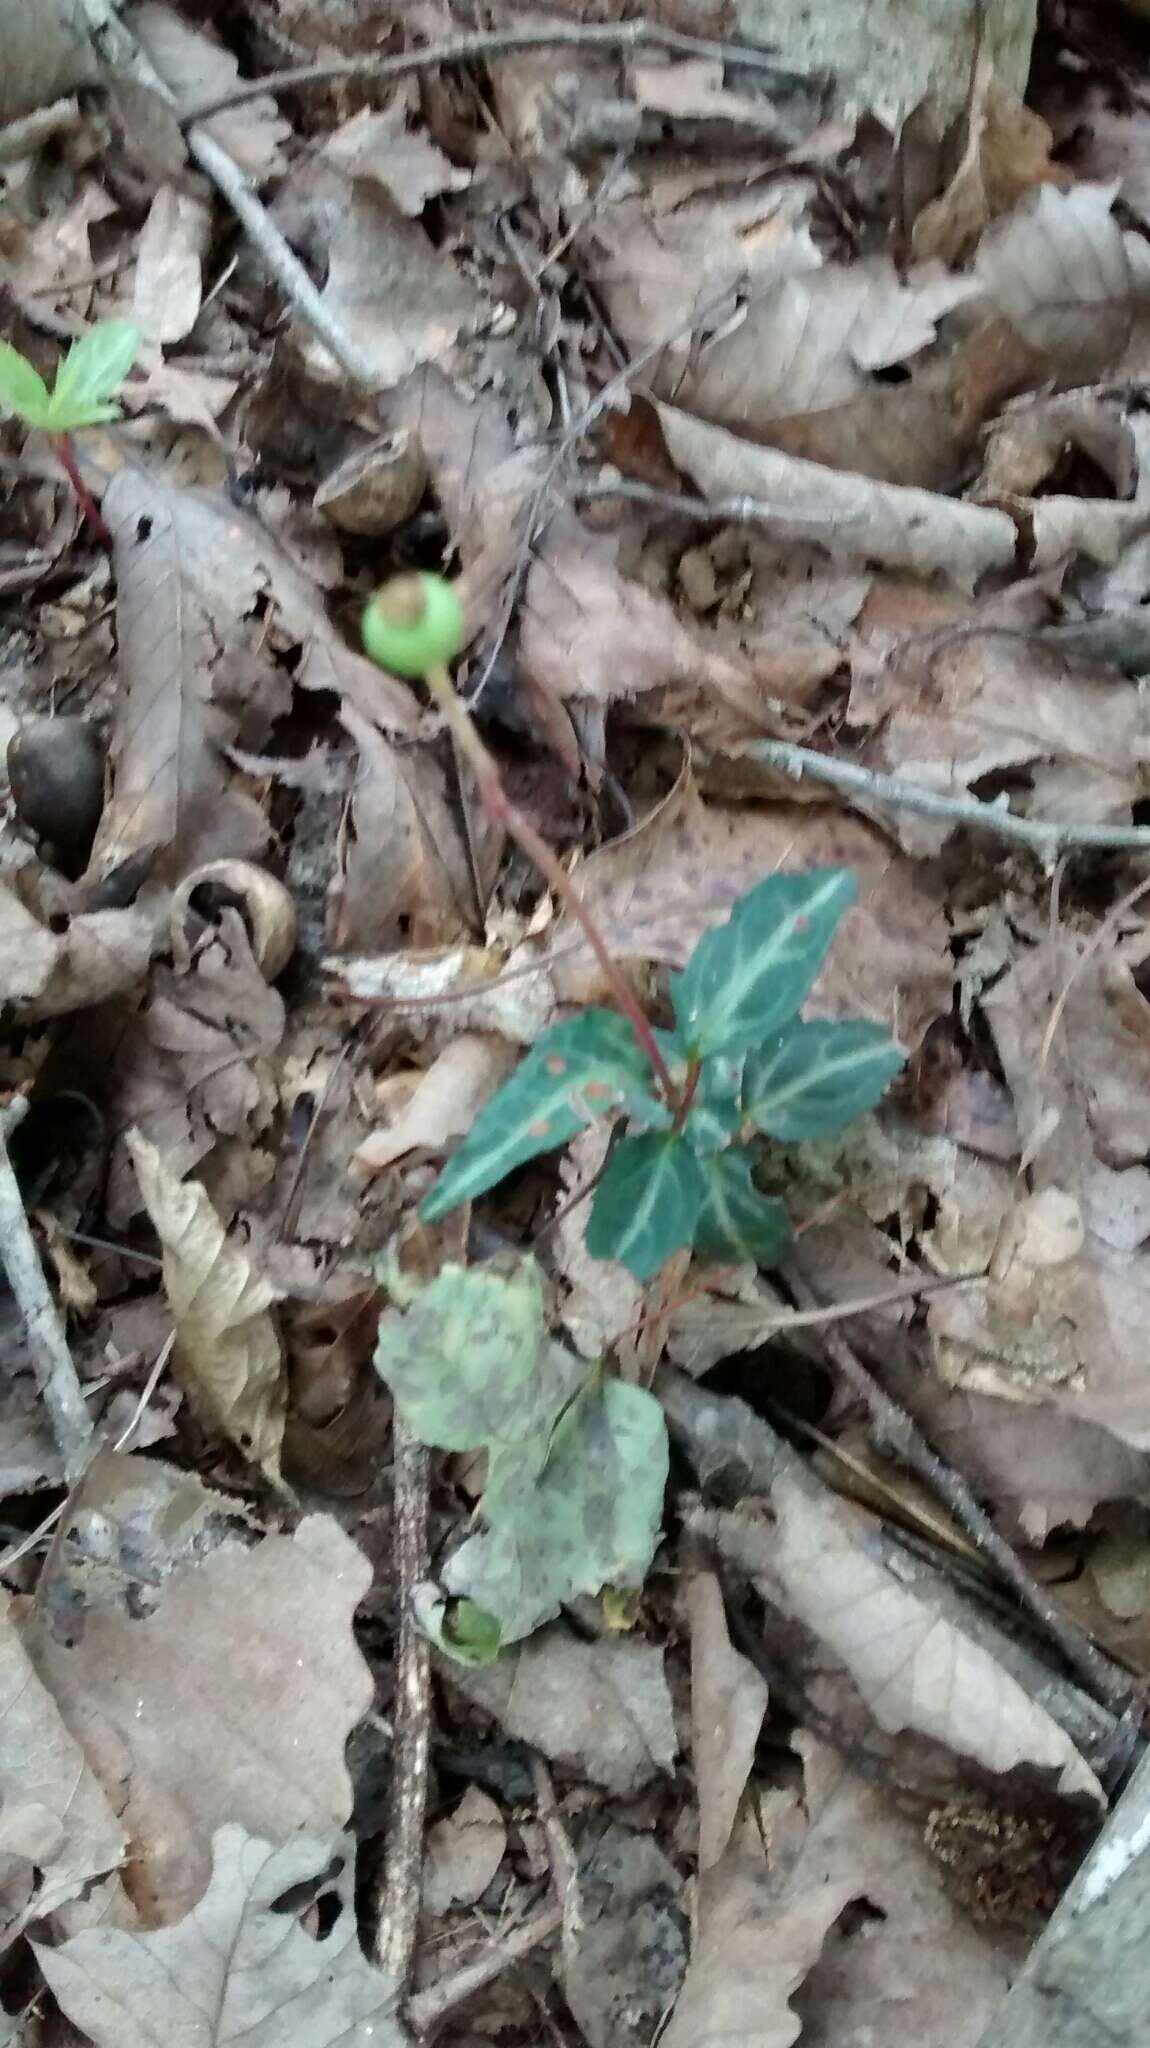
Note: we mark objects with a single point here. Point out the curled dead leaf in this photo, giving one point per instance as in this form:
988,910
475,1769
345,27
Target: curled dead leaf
227,1346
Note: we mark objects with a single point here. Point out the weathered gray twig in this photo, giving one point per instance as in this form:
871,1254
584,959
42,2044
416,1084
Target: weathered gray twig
124,52
1107,1681
47,1339
428,2007
624,35
1047,841
411,1720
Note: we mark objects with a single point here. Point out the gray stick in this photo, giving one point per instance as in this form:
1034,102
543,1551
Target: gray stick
47,1340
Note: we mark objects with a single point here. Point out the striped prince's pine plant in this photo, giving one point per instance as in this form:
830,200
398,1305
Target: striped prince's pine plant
740,1061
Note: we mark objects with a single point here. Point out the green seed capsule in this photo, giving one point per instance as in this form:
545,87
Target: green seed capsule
413,624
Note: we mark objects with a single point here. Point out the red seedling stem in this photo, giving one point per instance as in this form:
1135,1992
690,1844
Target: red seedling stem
94,518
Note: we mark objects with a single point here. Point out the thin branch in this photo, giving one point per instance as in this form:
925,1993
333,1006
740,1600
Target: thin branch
1046,841
737,510
428,2007
407,1802
47,1340
896,1429
123,52
626,35
281,261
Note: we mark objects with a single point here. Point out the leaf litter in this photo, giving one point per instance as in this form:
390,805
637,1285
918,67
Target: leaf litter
724,444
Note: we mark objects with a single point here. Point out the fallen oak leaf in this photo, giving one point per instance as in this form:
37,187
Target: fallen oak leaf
238,1968
227,1347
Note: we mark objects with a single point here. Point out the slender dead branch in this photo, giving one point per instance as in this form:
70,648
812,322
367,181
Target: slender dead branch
407,1802
467,49
1107,1681
47,1339
430,2006
1047,841
124,52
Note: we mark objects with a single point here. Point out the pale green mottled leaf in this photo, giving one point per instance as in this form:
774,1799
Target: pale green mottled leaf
747,977
470,1365
736,1221
591,1518
572,1074
91,374
22,388
814,1078
646,1204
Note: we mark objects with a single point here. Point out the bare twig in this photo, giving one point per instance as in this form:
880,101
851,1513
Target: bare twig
896,1429
626,35
407,1803
282,262
123,50
737,510
890,792
47,1339
428,2007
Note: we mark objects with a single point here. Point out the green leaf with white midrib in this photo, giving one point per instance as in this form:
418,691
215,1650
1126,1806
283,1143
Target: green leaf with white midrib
736,1221
647,1203
815,1078
748,976
91,372
574,1073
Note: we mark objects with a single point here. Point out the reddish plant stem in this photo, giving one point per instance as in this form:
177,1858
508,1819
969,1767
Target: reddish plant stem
690,1089
94,518
509,818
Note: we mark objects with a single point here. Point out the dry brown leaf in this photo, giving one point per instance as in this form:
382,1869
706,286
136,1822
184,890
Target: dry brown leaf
403,866
197,67
670,260
444,1103
514,998
588,631
232,1699
482,480
985,703
1042,1466
1030,438
797,371
601,1708
239,1969
655,892
851,514
407,165
919,1969
1059,270
750,1957
47,51
169,284
227,1347
728,1702
100,954
400,301
1094,527
914,1667
194,575
604,1302
463,1852
625,1951
57,1829
1007,151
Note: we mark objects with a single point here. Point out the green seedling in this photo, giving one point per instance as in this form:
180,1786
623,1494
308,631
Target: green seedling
695,1102
83,395
576,1462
